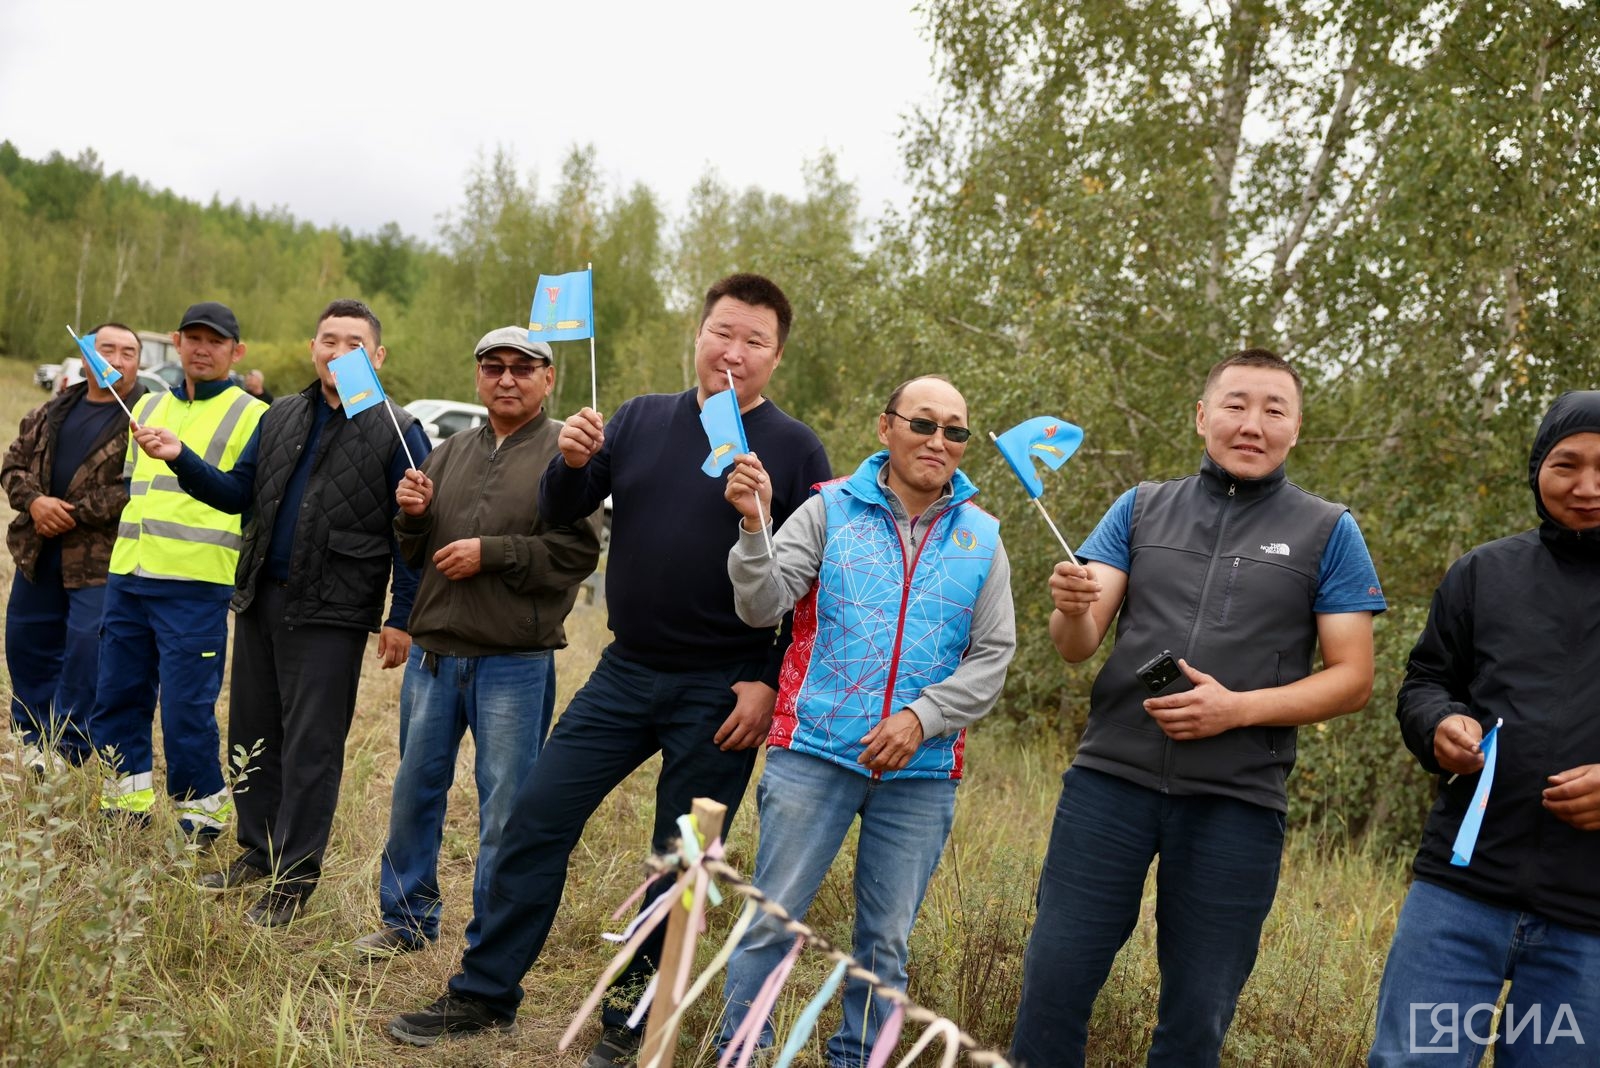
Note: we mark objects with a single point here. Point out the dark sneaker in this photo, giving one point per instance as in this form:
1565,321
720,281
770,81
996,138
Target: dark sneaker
389,942
237,874
617,1046
452,1016
280,905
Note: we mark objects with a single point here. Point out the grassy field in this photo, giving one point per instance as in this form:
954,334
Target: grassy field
109,955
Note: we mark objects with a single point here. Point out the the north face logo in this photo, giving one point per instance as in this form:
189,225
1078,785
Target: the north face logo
1276,548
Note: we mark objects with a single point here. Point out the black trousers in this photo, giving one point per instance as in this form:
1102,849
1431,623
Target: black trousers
294,693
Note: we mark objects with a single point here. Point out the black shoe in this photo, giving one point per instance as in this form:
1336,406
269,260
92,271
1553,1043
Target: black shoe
234,876
279,906
617,1046
450,1017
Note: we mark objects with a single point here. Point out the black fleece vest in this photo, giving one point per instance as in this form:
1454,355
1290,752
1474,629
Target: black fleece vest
339,566
1222,572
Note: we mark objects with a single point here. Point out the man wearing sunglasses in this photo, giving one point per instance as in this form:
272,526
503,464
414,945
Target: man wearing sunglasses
497,584
903,641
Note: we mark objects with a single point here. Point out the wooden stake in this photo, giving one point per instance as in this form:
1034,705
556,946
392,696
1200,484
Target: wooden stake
681,939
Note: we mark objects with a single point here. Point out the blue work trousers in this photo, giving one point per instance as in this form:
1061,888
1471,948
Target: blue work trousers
53,652
176,646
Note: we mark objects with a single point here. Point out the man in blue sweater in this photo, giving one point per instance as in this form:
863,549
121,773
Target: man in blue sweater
684,677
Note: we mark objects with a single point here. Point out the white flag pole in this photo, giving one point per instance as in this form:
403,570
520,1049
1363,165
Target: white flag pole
594,379
1051,523
388,407
761,513
114,394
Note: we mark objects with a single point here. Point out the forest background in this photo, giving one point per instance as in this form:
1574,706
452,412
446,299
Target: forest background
1403,197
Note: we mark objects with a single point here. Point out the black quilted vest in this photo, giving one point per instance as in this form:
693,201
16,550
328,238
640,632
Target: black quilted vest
340,564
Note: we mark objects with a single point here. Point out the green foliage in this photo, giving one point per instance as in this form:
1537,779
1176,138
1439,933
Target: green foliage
1401,197
72,916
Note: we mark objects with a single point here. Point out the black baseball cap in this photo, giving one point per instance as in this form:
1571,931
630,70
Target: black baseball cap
218,317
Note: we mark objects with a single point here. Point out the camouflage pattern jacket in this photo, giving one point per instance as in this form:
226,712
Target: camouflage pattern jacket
97,492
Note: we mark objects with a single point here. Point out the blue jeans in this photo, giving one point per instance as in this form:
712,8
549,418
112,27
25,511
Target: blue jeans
53,651
1214,887
1451,954
807,805
506,701
624,714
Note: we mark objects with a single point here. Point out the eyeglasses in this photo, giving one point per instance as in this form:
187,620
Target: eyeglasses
519,371
955,435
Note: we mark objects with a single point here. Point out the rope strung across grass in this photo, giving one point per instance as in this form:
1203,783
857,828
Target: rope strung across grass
955,1037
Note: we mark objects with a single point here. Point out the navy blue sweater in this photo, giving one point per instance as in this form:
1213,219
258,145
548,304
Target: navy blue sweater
667,587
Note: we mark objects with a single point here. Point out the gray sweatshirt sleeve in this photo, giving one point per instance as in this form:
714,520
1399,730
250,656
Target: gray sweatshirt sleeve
764,589
974,687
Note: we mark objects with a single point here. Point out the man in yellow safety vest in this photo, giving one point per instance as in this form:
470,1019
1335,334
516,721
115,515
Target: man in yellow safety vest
172,571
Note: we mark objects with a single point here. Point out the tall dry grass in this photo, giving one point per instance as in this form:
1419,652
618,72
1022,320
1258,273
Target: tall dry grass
110,955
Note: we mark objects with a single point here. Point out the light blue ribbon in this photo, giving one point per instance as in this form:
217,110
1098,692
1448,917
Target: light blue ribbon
808,1019
1472,822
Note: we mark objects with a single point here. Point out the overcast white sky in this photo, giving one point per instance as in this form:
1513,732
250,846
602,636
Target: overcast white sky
361,112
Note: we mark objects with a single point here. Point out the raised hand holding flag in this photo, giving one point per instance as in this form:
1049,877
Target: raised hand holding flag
1046,438
356,381
563,310
725,432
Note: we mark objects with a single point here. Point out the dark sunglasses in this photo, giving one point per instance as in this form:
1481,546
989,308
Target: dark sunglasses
491,369
956,435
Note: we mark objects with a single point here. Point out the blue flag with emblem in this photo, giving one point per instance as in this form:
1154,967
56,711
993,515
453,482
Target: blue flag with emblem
724,430
104,373
357,382
1044,438
563,307
1472,822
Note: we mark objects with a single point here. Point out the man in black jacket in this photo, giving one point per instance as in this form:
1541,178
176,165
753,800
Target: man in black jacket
317,555
1514,636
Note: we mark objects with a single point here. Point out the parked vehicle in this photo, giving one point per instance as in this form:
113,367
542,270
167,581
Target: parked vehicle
45,375
71,373
441,418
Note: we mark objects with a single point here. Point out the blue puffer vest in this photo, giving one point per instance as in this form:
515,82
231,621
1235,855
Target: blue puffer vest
876,629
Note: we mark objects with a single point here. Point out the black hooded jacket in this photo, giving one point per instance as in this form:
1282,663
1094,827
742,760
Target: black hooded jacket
1514,634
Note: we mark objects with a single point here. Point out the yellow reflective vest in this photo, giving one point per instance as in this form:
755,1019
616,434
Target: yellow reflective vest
164,532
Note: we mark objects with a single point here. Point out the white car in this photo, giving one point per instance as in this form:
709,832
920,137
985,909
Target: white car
71,373
442,418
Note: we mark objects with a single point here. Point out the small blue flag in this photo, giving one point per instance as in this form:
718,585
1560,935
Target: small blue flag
1472,822
1044,438
357,382
563,307
724,430
104,373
